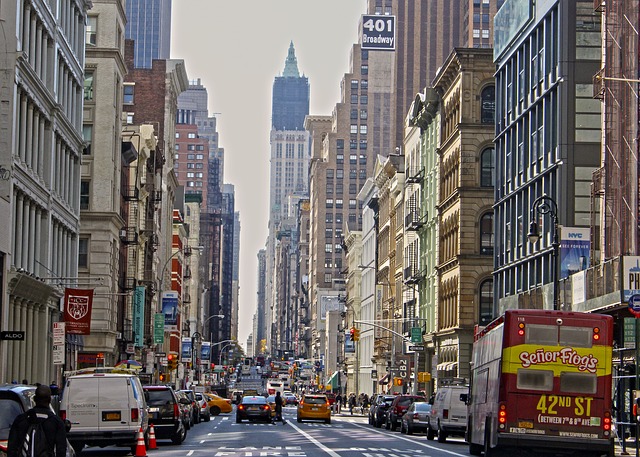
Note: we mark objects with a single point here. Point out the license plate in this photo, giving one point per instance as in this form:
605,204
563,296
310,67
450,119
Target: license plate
111,415
253,408
154,410
525,424
315,409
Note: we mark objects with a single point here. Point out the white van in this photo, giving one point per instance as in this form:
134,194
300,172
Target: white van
448,413
105,409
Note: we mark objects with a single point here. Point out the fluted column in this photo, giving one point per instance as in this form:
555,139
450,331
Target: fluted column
39,269
22,362
23,126
32,237
17,225
29,134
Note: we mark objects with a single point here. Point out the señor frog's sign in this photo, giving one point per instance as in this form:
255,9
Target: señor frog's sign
596,359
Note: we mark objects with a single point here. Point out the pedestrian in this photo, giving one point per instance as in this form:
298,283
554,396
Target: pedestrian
52,426
278,402
338,403
352,402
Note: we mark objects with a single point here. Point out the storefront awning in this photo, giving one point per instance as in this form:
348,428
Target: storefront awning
384,380
332,382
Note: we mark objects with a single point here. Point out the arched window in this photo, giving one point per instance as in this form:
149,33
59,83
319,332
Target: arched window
488,167
486,234
488,106
485,314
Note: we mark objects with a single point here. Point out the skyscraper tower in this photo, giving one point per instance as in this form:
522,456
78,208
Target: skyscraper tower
290,96
149,24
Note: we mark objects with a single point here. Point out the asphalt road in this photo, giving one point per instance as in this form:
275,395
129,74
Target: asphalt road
346,436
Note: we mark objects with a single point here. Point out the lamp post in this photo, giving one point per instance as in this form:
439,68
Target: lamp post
541,206
187,252
194,360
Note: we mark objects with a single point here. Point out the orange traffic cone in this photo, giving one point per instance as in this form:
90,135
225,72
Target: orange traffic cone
141,450
152,438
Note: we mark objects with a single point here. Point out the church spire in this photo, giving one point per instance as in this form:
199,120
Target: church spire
291,64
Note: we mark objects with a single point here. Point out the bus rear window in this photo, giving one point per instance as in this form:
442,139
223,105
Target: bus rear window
579,383
541,334
554,335
535,379
576,337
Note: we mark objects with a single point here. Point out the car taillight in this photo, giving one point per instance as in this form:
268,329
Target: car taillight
445,414
240,407
3,445
63,414
265,407
416,416
502,417
327,404
606,423
134,414
176,410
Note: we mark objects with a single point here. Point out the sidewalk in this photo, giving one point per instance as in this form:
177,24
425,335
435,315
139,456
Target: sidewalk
630,446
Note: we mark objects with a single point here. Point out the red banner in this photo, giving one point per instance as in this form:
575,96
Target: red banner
77,310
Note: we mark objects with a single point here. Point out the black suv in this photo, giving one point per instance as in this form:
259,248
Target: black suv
165,413
397,409
378,410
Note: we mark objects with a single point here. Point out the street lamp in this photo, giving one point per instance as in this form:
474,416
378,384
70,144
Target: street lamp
541,206
187,252
194,361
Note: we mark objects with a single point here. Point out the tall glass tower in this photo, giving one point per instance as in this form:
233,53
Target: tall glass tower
149,24
290,103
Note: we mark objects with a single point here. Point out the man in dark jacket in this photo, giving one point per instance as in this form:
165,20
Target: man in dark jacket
278,402
52,426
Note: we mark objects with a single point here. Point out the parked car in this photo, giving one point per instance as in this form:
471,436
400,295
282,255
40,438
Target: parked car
331,397
105,409
448,413
15,399
205,413
380,407
217,404
195,408
289,398
314,407
398,407
416,419
165,413
253,407
186,409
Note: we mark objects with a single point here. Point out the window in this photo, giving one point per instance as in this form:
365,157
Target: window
191,147
199,156
338,203
364,84
128,94
330,173
364,99
363,130
486,302
488,105
85,188
327,277
363,114
339,144
177,147
83,252
88,85
486,234
364,69
353,158
191,135
352,202
329,202
128,118
177,135
363,145
487,167
199,147
354,99
328,218
354,128
354,84
352,190
176,156
353,144
339,158
87,136
91,32
191,156
199,166
338,247
339,173
190,174
328,248
354,114
199,175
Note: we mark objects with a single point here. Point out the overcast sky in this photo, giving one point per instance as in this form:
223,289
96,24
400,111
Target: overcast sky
237,48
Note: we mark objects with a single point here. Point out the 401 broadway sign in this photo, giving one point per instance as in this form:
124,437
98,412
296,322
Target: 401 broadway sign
378,33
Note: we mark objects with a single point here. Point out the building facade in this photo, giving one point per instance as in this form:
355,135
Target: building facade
149,25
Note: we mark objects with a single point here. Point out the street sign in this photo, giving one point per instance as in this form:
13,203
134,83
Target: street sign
416,334
158,328
416,348
161,354
634,305
12,336
630,332
378,33
58,343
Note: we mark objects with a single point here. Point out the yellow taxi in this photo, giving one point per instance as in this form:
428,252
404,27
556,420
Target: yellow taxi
314,407
218,404
271,399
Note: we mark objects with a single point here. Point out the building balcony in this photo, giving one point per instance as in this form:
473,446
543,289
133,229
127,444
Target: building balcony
413,221
130,193
129,235
415,176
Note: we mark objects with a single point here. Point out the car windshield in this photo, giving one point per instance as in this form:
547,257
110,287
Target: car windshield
422,407
9,409
315,400
271,399
159,397
388,401
405,401
254,400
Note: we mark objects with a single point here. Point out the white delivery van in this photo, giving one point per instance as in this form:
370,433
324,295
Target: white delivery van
105,409
448,413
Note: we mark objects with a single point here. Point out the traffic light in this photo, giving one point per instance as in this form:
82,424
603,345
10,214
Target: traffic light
163,377
356,334
172,362
352,332
397,381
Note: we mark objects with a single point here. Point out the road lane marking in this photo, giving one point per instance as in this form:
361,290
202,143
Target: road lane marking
314,441
190,453
428,446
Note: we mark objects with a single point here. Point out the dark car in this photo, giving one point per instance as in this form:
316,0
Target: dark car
195,409
186,409
290,398
416,419
15,399
398,408
165,413
378,411
253,407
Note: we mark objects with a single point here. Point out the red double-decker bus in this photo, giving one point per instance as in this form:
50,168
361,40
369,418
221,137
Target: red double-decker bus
541,382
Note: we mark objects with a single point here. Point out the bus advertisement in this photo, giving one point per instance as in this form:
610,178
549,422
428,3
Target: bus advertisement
541,381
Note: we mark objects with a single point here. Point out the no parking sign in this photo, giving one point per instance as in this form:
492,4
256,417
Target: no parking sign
634,305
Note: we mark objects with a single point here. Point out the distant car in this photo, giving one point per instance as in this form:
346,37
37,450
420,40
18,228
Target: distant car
331,397
416,419
397,409
314,407
205,413
236,397
186,409
15,399
217,404
290,398
165,413
379,409
195,409
252,408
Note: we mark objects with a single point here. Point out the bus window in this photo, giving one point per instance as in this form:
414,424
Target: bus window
480,387
541,334
580,383
576,337
535,379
